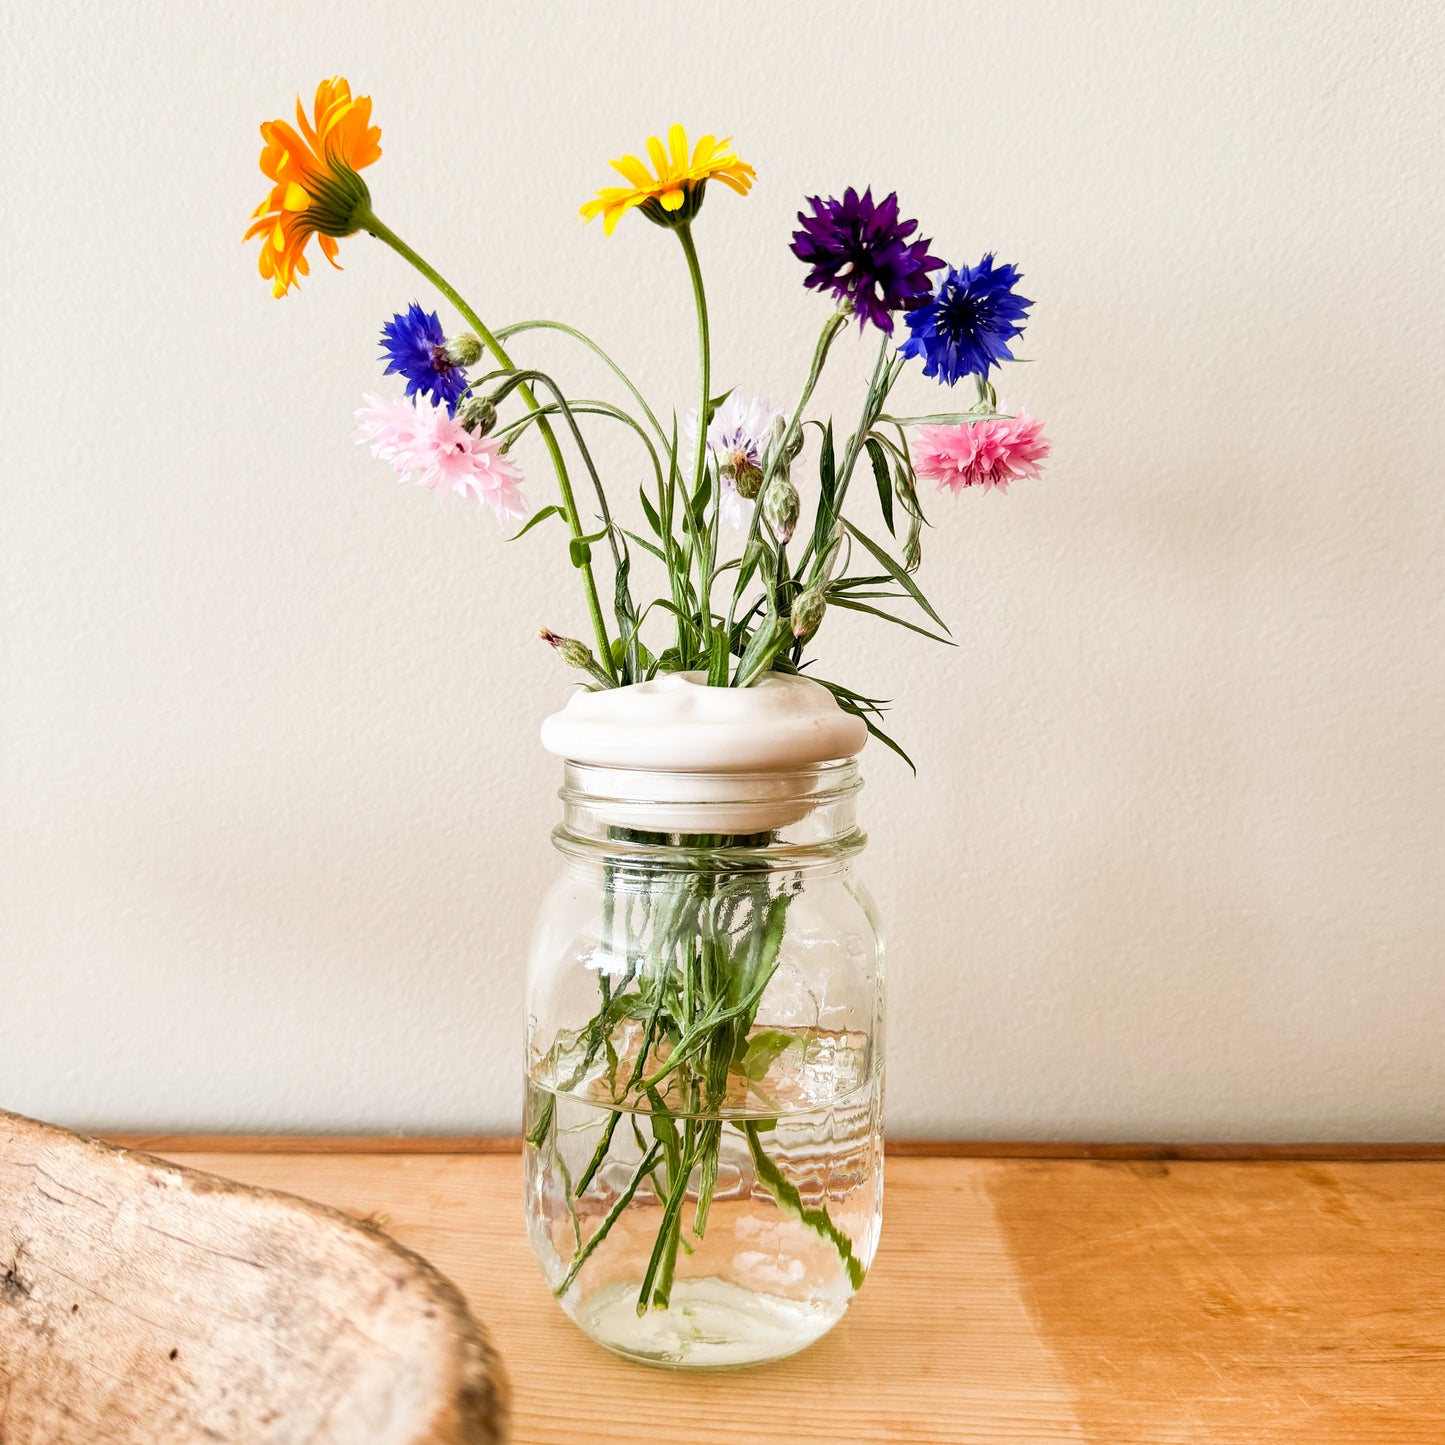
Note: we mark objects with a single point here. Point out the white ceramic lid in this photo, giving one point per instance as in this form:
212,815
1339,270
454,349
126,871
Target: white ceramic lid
677,723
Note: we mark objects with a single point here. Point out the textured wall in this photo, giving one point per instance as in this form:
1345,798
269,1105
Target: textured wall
272,812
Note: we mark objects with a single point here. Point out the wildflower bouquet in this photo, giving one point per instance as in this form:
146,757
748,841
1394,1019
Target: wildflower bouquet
746,558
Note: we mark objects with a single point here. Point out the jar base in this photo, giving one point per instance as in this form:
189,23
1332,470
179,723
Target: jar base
711,1324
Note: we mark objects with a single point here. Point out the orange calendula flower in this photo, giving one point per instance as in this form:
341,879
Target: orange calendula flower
674,194
316,189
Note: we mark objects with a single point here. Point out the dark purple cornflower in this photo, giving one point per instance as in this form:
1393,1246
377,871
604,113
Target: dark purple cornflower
859,251
967,326
414,346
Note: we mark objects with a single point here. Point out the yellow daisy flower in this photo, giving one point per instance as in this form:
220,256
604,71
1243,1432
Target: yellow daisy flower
674,193
315,187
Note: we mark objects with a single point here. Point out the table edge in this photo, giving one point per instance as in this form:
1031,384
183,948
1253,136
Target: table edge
1328,1151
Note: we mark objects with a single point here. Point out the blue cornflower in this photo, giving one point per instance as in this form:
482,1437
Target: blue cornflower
862,252
967,326
414,346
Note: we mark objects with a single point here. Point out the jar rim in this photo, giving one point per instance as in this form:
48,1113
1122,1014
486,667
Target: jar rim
760,811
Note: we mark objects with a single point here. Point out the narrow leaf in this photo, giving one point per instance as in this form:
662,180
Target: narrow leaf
714,403
896,572
877,732
718,657
653,520
827,493
850,605
767,641
644,544
536,517
883,478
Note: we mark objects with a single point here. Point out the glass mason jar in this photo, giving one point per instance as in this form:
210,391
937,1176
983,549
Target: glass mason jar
704,1064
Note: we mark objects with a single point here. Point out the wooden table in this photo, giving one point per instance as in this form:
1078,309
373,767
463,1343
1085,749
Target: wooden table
1139,1299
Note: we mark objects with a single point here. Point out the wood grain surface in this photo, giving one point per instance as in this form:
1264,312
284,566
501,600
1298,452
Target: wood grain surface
146,1304
1145,1301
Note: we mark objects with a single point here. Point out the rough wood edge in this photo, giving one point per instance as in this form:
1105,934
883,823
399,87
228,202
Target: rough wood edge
1402,1152
480,1399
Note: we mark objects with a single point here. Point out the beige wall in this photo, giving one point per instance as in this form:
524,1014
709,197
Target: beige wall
272,811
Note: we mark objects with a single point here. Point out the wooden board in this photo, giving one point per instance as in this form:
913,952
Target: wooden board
146,1304
1134,1302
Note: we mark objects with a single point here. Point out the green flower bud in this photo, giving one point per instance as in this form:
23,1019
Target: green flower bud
746,474
463,349
477,414
781,506
832,553
572,652
808,612
795,445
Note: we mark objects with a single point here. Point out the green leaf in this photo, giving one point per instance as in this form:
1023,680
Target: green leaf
763,1050
944,418
768,639
883,478
580,548
534,519
850,604
718,657
827,494
896,572
714,403
653,520
687,620
877,732
843,583
696,506
644,544
785,1192
628,622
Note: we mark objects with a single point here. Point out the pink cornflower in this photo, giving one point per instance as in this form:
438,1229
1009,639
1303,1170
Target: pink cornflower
425,445
981,453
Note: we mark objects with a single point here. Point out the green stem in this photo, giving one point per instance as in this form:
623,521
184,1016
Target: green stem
872,406
645,1166
704,348
505,333
375,227
834,324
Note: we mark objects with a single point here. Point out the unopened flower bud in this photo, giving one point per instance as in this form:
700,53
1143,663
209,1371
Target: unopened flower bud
477,414
781,506
808,612
463,349
795,442
747,475
572,652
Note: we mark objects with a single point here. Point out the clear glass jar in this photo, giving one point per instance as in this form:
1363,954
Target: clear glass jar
704,1064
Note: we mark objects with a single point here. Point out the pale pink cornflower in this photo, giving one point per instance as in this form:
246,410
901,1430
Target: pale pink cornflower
426,445
981,453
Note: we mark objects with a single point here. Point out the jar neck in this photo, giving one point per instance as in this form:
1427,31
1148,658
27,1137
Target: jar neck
778,812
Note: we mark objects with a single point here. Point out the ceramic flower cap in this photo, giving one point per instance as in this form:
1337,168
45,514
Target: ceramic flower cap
676,722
